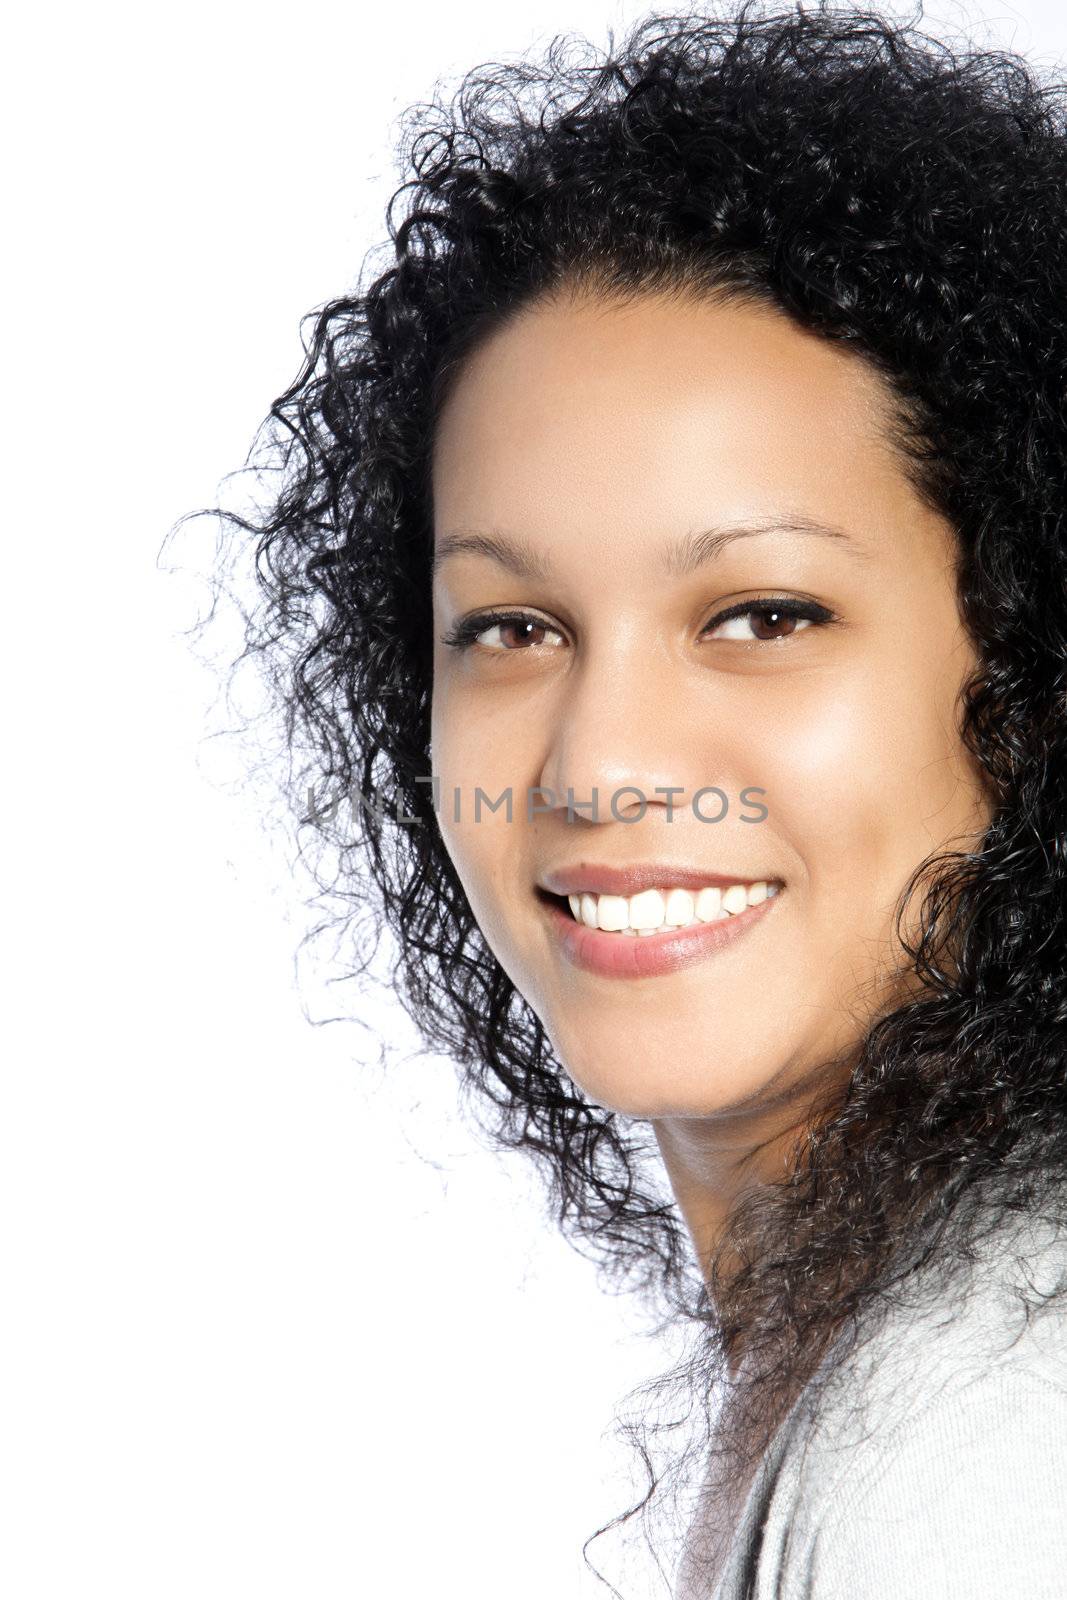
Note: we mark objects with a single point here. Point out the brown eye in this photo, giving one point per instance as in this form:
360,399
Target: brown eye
500,634
772,624
518,632
764,622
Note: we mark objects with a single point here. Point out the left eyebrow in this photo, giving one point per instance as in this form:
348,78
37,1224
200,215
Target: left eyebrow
685,555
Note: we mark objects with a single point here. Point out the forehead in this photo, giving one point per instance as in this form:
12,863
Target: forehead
588,417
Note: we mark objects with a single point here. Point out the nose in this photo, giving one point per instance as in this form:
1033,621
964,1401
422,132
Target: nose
624,740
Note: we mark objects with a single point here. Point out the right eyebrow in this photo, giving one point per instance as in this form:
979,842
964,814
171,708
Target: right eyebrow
517,555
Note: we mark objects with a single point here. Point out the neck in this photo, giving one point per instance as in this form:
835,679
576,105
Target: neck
712,1163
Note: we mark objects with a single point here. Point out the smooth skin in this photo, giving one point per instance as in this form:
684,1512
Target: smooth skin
599,433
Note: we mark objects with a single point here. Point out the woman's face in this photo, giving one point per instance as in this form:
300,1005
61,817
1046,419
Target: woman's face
583,453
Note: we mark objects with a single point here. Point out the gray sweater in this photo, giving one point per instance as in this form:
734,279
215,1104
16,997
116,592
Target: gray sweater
950,1481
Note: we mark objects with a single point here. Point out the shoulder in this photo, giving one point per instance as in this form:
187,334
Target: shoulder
928,1459
966,1496
937,1463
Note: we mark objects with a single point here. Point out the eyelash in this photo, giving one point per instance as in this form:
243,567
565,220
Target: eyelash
465,633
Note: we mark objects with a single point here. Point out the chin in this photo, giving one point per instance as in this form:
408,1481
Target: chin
635,1087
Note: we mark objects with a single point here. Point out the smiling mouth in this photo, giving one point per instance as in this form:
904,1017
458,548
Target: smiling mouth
626,952
654,912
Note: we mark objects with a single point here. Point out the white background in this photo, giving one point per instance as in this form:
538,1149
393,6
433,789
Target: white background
272,1327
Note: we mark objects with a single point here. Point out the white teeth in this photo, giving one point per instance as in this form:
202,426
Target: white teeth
645,913
709,905
735,898
612,913
680,908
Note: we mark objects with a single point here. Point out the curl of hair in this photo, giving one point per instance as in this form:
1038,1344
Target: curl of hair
885,190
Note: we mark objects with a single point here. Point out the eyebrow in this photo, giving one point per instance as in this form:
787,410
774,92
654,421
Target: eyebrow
681,557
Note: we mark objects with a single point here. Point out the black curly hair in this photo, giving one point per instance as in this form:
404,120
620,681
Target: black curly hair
889,191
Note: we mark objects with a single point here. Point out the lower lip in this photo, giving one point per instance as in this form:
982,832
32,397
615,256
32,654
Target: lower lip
623,955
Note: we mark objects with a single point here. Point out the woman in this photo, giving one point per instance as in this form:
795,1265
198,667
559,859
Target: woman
669,563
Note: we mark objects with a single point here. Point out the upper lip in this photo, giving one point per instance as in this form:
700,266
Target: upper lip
589,878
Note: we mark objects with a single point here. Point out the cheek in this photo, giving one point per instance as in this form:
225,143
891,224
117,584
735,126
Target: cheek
479,735
869,779
467,757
